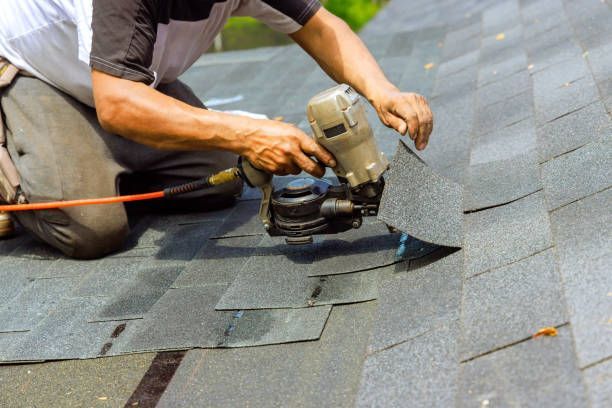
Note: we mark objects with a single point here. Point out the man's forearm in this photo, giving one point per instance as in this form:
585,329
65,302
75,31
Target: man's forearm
147,116
342,55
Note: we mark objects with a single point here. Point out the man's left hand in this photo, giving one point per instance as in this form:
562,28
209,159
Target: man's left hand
406,112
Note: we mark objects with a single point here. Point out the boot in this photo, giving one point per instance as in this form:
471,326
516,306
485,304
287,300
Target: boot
7,228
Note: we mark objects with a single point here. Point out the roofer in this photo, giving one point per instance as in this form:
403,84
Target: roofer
98,108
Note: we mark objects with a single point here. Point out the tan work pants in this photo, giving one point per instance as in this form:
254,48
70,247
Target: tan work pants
62,153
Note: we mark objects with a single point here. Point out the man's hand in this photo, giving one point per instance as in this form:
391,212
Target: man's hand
282,149
406,112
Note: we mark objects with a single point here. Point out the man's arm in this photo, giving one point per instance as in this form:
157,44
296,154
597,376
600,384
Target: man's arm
342,54
139,112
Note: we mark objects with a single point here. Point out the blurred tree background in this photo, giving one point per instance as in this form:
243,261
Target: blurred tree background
245,32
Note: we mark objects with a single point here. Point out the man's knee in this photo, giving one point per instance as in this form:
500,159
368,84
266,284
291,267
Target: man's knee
81,232
97,238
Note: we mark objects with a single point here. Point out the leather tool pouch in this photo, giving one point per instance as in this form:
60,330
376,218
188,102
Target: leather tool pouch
10,191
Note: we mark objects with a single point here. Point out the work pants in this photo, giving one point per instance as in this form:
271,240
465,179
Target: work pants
62,153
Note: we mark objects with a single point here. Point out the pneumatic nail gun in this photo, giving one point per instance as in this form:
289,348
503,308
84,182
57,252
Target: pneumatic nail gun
307,206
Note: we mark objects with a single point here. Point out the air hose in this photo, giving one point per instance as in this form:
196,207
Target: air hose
225,176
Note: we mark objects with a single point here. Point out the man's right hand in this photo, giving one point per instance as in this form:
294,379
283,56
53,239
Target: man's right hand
280,148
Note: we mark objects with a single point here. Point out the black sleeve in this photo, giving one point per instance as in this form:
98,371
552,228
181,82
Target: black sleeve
124,33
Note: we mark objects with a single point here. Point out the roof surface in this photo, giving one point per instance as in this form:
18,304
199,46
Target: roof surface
521,96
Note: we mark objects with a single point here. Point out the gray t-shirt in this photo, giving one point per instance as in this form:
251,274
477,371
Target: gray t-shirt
150,41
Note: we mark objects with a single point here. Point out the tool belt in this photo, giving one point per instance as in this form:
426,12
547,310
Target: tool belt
10,191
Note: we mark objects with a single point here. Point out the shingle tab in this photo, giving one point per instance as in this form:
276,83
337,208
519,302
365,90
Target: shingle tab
577,174
418,301
437,216
494,71
31,306
276,282
147,287
501,235
370,246
186,318
422,371
599,382
573,131
504,144
505,113
502,181
329,369
510,304
539,372
64,334
219,262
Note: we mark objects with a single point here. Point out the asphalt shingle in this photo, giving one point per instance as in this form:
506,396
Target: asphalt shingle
502,181
33,304
599,383
506,234
510,304
329,370
533,373
418,301
437,216
186,318
577,174
147,287
573,131
421,371
368,247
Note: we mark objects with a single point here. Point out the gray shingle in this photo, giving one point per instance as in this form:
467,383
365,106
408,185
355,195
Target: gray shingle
552,47
368,247
513,63
551,104
588,297
186,318
437,216
64,334
413,303
600,62
539,372
573,131
501,44
504,88
459,63
599,383
15,276
219,262
33,304
422,371
502,181
460,82
510,304
577,174
504,144
273,282
147,287
501,235
323,373
501,16
505,113
578,231
112,276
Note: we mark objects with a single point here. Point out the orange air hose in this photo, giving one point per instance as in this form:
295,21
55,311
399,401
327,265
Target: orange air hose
222,177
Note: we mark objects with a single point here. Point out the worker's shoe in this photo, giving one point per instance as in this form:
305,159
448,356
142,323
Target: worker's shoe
7,228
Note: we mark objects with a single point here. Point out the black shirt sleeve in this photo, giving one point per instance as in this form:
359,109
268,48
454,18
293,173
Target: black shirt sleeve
124,33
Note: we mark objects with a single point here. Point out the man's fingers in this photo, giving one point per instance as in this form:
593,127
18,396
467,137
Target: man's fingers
398,124
309,165
312,148
409,116
425,123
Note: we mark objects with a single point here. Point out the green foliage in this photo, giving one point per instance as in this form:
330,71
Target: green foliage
245,32
356,13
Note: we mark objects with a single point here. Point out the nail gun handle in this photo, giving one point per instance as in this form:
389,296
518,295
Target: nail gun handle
253,176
